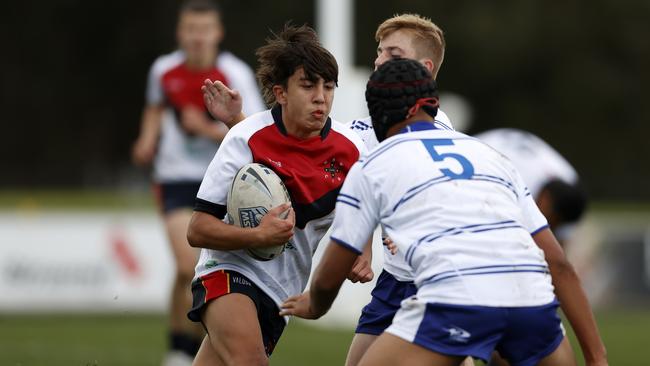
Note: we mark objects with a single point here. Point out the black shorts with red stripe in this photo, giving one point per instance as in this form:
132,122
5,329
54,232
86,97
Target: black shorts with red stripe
224,282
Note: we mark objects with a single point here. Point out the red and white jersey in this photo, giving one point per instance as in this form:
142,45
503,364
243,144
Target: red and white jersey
459,213
313,171
181,156
537,162
363,127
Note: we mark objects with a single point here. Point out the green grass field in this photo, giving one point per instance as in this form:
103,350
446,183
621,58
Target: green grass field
129,339
98,340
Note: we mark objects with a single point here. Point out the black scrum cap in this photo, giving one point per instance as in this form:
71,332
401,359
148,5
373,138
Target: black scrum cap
396,90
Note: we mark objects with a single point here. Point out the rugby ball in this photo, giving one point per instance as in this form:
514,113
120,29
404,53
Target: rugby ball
254,191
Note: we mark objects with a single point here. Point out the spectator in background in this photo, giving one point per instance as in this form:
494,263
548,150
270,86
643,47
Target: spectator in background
551,179
180,138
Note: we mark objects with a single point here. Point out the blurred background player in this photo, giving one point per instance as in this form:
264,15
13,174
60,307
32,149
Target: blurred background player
180,138
486,265
237,297
551,179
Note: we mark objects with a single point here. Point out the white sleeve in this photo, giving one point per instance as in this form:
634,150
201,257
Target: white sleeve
154,93
233,153
357,211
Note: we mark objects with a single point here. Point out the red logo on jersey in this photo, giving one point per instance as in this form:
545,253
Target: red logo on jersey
332,168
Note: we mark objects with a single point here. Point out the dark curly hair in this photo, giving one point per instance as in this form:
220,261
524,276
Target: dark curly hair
284,53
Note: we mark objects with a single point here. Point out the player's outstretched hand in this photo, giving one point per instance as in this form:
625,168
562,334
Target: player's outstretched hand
276,228
223,103
392,247
361,271
299,305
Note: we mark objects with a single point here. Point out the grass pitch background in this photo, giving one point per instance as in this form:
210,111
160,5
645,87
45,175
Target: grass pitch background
137,339
140,339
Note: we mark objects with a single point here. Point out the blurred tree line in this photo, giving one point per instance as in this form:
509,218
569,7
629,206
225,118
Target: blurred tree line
73,77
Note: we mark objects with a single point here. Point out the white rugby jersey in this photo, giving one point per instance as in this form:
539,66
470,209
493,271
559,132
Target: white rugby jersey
537,162
180,156
313,171
458,212
363,127
394,265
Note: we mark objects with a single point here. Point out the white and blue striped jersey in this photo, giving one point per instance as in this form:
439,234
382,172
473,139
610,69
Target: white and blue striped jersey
363,127
459,213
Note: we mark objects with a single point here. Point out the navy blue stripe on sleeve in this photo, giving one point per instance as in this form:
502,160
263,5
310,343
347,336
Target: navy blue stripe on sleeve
539,230
345,245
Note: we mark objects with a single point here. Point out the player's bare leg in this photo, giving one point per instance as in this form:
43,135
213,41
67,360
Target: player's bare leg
468,362
236,340
185,256
562,356
207,355
360,344
390,350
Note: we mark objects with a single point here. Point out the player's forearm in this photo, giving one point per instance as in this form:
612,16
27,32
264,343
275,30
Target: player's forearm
206,231
332,270
367,251
216,131
573,300
150,125
575,306
322,297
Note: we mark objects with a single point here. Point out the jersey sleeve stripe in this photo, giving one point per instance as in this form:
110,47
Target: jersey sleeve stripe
353,204
353,199
346,245
535,232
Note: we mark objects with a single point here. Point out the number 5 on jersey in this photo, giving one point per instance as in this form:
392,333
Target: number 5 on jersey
468,168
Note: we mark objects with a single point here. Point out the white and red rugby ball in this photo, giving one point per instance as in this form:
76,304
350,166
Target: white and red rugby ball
254,191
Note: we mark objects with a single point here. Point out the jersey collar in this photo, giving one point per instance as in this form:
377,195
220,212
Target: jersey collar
418,126
276,112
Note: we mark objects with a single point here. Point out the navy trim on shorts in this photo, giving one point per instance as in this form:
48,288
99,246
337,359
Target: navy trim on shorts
386,299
